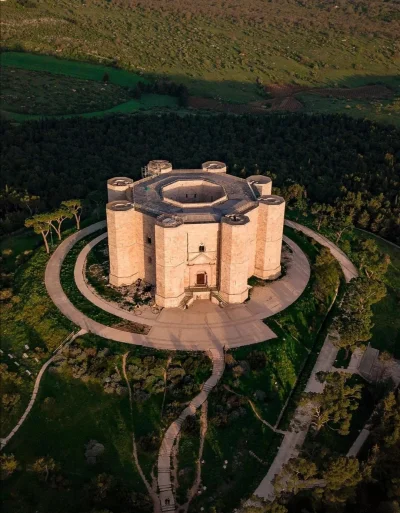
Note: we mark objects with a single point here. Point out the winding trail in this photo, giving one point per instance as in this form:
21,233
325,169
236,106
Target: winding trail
71,337
203,431
149,488
348,268
166,492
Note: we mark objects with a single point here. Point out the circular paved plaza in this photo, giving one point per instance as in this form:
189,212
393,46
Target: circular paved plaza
202,326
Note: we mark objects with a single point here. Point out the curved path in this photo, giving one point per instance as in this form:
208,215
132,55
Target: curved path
71,337
166,493
199,328
348,268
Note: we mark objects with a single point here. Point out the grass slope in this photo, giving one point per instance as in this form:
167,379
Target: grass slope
217,50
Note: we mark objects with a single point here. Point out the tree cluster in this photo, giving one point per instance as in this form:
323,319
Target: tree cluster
45,222
354,319
162,87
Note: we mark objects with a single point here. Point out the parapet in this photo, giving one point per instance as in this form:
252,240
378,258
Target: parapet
117,187
157,167
272,200
235,219
119,205
214,166
263,184
168,221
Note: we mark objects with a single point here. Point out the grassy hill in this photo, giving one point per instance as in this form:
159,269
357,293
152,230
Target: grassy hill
218,49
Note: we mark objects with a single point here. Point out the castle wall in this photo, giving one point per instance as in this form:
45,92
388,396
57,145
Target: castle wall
144,233
252,234
269,237
197,234
122,243
170,264
199,191
234,262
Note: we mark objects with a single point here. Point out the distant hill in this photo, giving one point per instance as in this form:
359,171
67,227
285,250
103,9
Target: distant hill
219,48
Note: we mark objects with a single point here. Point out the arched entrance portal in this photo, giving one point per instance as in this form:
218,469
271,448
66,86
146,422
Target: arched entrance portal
201,279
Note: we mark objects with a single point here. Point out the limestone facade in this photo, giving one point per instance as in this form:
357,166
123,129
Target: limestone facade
194,233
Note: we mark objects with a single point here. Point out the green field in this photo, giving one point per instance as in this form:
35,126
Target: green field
217,50
384,111
75,69
37,86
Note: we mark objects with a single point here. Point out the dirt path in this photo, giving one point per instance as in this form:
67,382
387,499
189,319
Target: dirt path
150,489
203,431
165,482
71,337
165,383
270,426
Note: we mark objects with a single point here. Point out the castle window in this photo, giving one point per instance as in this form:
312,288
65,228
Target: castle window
150,260
201,248
148,240
195,195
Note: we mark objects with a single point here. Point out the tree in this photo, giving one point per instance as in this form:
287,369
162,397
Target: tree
74,206
342,476
334,405
57,217
370,260
326,274
43,466
296,197
41,225
13,199
298,473
322,213
344,212
8,465
354,321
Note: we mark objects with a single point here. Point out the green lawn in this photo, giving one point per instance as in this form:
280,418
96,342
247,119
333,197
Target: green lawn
36,86
45,94
79,412
76,69
233,443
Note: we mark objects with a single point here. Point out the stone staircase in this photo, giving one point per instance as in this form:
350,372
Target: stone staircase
165,488
221,302
187,299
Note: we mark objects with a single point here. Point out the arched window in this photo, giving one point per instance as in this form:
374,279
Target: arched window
201,248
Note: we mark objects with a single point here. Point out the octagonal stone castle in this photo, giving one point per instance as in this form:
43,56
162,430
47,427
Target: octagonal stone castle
193,233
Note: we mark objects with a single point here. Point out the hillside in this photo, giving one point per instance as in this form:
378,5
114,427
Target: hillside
218,49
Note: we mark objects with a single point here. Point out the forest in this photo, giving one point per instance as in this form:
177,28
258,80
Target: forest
333,157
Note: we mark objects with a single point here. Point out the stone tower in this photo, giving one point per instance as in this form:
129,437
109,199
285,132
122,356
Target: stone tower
271,214
234,259
122,243
170,261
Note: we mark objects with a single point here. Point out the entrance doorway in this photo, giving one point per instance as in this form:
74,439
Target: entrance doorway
201,279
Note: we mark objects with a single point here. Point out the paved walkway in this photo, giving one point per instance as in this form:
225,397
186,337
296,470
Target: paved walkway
68,340
358,443
348,268
293,440
165,488
202,326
